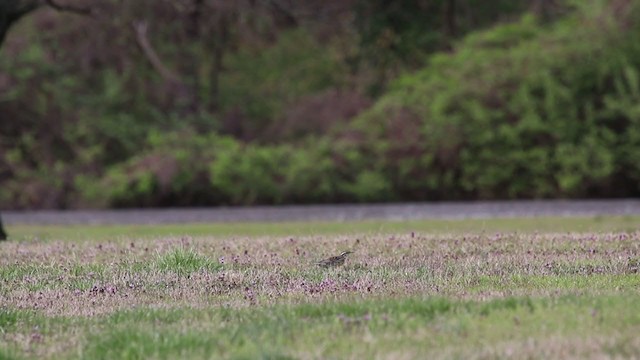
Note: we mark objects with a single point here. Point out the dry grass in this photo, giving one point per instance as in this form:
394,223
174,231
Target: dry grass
63,278
90,281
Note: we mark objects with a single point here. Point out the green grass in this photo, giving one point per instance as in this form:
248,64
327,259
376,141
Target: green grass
520,288
525,225
412,326
185,261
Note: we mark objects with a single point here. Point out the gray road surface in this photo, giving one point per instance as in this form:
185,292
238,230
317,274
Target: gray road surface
444,210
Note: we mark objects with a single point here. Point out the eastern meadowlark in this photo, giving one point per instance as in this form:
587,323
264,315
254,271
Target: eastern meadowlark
334,261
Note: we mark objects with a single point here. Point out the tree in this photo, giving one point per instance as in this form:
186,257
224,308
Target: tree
13,10
3,235
10,12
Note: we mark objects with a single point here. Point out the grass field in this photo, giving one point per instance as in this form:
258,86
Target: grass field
517,288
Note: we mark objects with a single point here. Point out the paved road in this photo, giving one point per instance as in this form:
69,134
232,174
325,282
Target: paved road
444,210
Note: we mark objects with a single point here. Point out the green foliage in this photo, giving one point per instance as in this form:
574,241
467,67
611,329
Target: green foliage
250,174
262,83
370,186
515,113
400,34
529,109
172,170
276,174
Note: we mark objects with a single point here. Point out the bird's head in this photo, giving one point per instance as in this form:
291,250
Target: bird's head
346,253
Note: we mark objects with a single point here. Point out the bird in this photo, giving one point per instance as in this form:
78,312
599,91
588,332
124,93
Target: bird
334,261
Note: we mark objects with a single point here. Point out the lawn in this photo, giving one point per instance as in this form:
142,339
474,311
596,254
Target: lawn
518,288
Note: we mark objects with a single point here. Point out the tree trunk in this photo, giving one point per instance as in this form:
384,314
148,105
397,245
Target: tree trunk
195,33
11,12
220,40
544,9
3,235
449,19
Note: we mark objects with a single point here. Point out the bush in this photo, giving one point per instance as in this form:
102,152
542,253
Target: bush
521,110
317,171
173,170
188,169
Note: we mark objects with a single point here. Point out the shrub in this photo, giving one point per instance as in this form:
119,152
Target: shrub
521,110
173,170
250,174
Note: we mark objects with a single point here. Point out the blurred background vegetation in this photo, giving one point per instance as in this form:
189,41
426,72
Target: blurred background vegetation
114,103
